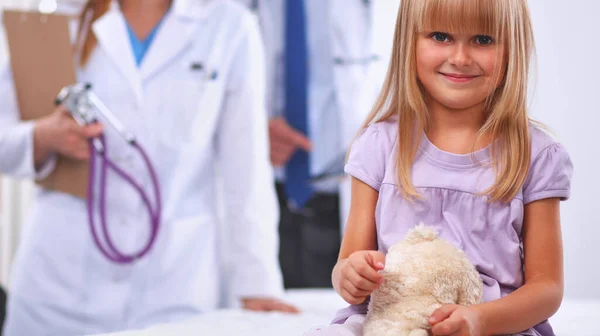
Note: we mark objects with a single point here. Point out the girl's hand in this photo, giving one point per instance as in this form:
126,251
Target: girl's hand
356,277
456,320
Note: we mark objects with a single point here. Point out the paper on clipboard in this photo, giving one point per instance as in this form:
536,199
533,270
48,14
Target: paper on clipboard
42,62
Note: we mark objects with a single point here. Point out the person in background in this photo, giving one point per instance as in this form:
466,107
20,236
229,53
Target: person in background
141,57
325,60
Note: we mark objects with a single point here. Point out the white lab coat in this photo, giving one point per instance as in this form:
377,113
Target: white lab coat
194,128
361,40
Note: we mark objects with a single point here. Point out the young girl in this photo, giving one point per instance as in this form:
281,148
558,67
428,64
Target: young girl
449,143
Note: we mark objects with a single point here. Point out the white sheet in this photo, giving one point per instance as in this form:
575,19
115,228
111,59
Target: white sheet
575,318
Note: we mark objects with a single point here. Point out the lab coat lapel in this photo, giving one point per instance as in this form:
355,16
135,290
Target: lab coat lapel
175,34
111,32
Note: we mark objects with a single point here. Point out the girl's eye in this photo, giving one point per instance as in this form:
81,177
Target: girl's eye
484,39
440,37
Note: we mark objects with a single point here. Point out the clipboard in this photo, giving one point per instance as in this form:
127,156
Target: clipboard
42,60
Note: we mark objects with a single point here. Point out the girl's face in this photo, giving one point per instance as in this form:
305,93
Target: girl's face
458,71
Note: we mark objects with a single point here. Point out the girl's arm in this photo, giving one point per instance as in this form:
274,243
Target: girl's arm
355,275
534,302
542,293
360,233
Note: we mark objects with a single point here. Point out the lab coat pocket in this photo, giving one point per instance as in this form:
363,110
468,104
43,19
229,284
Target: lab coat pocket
189,110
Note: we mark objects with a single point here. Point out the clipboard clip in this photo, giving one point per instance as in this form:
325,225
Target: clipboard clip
86,108
44,7
47,6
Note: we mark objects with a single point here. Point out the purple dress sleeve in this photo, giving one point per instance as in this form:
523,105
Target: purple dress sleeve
370,152
549,175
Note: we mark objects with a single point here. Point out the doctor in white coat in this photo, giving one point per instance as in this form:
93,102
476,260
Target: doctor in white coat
195,101
346,45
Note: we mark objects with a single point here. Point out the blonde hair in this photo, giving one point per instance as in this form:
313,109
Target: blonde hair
402,96
97,8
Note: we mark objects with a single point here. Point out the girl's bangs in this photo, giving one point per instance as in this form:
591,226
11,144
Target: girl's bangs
459,16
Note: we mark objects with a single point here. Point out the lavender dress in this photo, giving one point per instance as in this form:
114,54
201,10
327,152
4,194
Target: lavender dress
489,233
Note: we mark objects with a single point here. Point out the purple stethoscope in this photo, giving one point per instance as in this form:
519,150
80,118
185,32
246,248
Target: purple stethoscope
85,107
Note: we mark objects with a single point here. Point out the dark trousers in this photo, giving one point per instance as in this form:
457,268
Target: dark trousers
2,307
309,240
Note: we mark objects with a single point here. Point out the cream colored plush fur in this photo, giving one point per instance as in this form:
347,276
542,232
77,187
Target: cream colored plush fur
422,272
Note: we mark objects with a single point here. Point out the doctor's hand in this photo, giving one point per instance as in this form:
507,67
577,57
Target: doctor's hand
268,305
60,133
284,141
357,276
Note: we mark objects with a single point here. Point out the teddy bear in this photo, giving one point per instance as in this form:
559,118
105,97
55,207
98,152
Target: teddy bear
422,272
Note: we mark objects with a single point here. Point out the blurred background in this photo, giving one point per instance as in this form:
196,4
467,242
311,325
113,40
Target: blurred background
564,95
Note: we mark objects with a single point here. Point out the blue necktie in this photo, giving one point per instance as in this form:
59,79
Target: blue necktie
296,82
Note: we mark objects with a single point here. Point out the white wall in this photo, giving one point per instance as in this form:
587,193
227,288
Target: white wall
566,99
